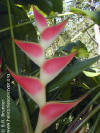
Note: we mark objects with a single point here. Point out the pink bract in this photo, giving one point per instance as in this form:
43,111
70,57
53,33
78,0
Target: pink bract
32,86
33,50
40,20
51,111
52,67
50,34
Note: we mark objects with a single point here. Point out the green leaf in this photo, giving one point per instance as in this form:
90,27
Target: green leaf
97,129
66,93
46,5
79,47
78,11
71,72
96,125
25,32
93,15
14,120
91,74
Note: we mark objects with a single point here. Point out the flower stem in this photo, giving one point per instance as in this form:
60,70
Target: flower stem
76,121
87,118
23,108
38,127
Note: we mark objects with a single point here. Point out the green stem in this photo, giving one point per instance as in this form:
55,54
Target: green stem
16,26
12,37
80,33
25,116
85,109
87,118
38,127
92,130
29,22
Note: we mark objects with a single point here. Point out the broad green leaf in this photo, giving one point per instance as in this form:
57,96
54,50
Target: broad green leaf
79,47
46,5
71,72
93,15
25,32
78,11
9,110
91,74
95,127
66,93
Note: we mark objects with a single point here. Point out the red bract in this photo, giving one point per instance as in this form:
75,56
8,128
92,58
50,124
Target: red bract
52,111
52,67
32,86
33,50
50,34
40,20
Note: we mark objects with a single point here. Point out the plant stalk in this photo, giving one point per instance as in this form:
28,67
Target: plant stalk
87,118
76,121
80,33
23,108
92,130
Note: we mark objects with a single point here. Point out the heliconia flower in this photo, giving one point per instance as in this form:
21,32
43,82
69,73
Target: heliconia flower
40,20
33,50
51,111
50,34
32,86
52,67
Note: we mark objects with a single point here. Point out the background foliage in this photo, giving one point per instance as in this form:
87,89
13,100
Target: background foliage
72,82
